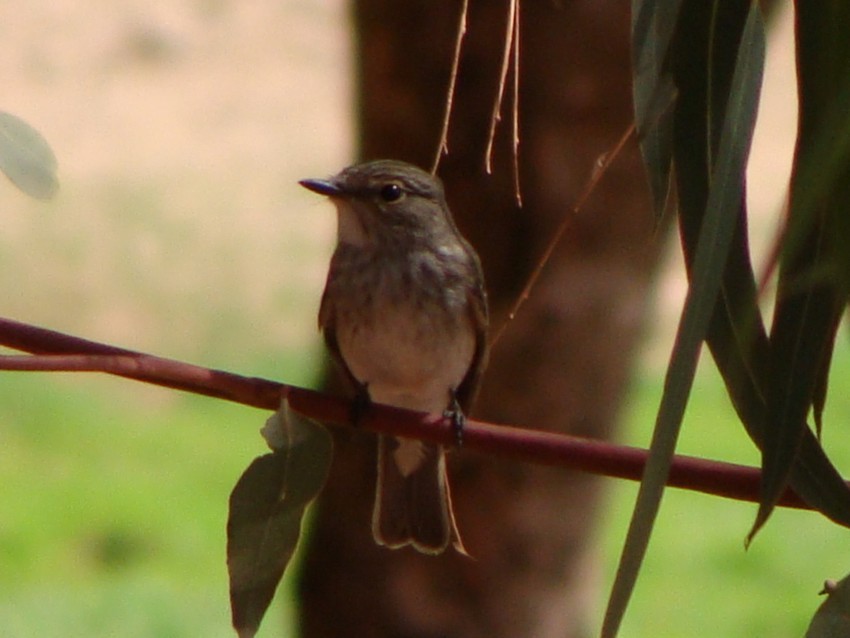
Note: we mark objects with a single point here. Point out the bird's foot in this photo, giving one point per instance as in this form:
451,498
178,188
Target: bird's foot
455,414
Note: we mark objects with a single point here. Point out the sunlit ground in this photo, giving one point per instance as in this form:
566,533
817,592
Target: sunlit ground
181,132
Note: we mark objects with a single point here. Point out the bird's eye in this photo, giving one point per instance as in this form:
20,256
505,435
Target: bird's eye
391,193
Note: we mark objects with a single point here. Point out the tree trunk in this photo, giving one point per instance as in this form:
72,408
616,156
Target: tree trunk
562,364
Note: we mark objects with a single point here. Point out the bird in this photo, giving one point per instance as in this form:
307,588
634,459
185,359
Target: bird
404,314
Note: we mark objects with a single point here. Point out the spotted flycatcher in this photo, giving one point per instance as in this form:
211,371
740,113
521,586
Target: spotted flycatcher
405,314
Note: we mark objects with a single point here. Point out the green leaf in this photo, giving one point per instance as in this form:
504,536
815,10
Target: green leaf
822,376
653,25
814,267
26,158
737,337
717,232
832,619
823,143
266,508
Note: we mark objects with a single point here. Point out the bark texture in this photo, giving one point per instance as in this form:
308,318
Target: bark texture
562,365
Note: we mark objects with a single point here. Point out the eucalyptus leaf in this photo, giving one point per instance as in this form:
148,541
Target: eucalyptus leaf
717,232
266,509
814,274
653,26
26,158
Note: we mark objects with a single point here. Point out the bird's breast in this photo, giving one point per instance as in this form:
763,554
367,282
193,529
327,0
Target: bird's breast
412,346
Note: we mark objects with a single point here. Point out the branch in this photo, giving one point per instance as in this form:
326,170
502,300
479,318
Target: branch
54,351
82,355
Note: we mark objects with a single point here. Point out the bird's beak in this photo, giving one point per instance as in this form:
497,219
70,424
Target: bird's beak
322,186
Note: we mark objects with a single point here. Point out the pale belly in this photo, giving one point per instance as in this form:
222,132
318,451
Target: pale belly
408,359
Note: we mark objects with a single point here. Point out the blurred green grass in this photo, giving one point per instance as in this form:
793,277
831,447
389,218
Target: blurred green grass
113,502
698,580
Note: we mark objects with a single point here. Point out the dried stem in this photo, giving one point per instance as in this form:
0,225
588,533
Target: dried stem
443,146
60,352
510,32
510,54
515,111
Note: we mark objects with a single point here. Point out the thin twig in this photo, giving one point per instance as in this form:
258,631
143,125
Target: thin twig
503,76
73,354
515,118
443,146
597,175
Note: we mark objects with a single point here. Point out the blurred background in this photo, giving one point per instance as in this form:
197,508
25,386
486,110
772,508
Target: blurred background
181,130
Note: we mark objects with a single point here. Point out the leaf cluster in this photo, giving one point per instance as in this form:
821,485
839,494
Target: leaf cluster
697,78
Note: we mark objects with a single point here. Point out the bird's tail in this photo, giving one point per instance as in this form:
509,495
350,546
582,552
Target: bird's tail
413,503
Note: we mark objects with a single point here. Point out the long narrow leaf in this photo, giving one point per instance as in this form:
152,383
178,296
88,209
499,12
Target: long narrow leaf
717,232
737,338
812,288
653,26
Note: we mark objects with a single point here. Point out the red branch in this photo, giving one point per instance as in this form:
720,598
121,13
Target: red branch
54,351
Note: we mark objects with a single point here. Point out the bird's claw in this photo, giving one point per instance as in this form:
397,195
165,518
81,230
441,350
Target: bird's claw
455,414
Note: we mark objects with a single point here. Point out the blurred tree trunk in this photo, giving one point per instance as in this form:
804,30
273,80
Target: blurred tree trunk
564,362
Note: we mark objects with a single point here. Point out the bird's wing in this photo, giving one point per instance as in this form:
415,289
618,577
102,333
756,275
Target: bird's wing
327,324
479,318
